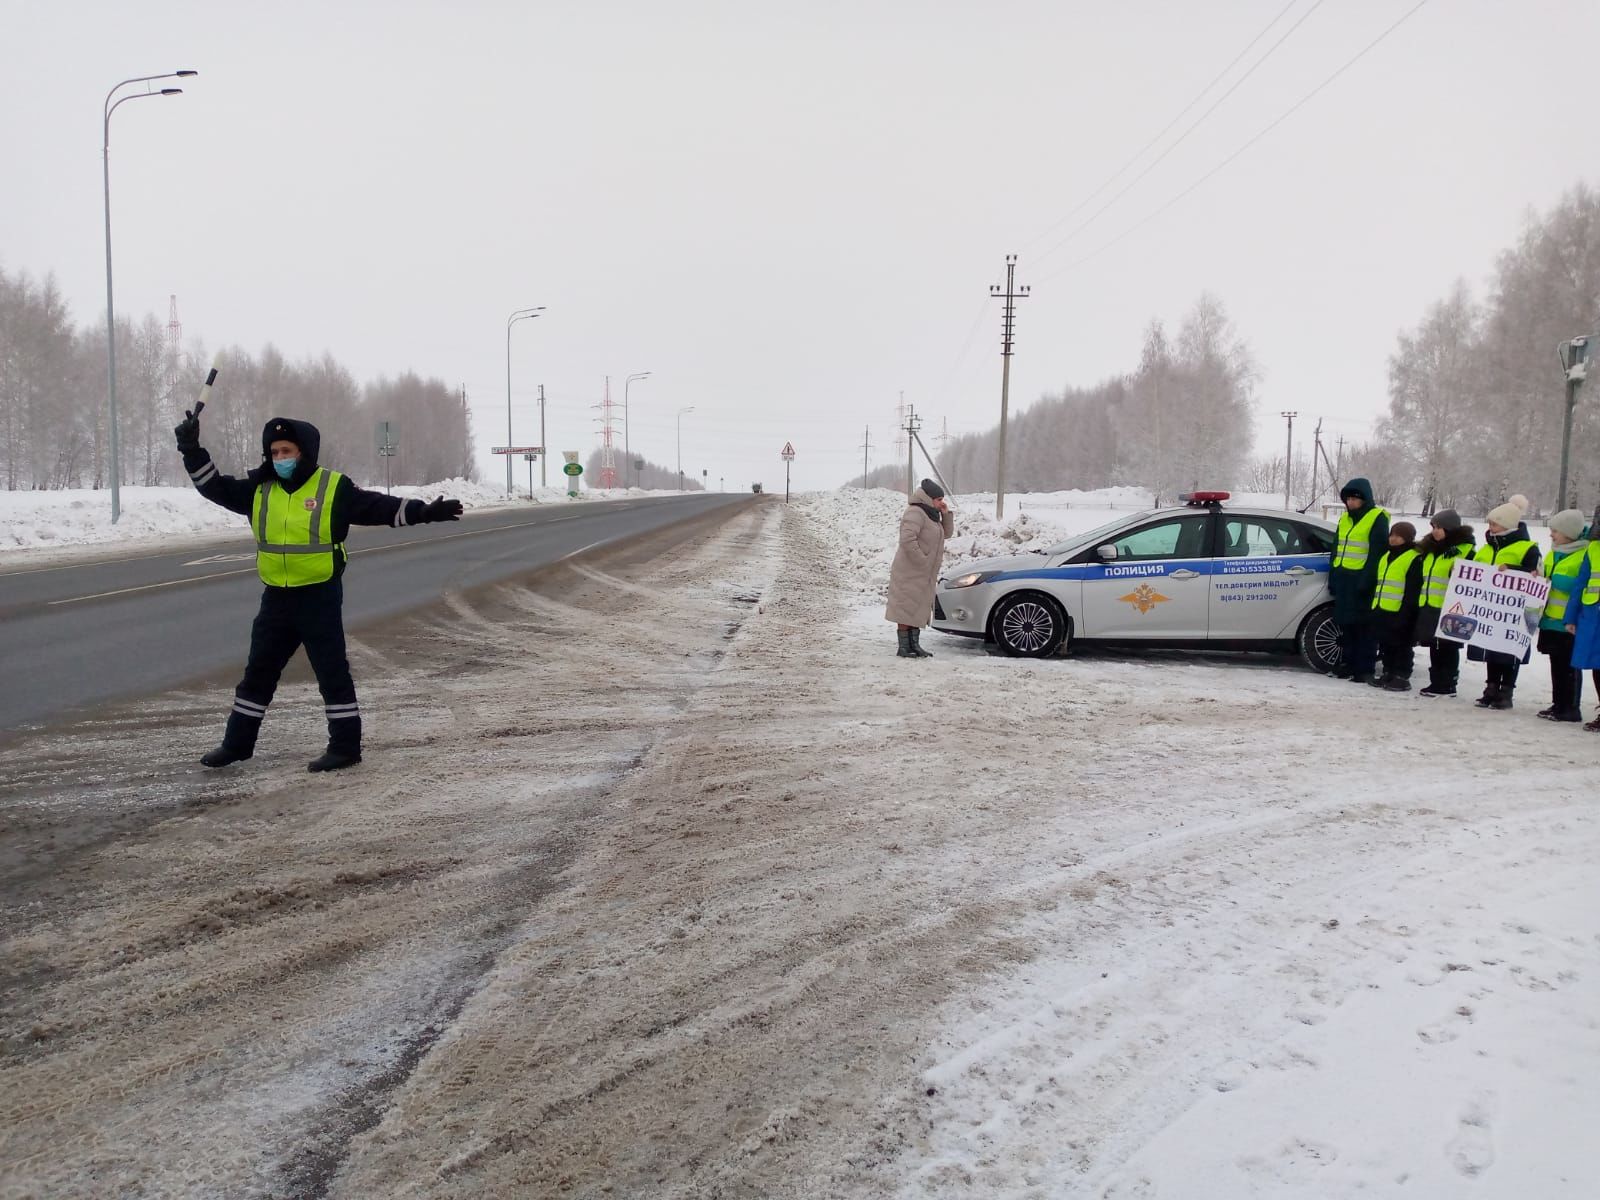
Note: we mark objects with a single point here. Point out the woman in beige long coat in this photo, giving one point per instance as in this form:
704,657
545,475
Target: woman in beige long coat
914,577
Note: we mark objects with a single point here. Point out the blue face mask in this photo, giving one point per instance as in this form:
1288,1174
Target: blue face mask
285,467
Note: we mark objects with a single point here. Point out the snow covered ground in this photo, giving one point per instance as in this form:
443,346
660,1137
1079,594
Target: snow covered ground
1295,942
664,877
36,527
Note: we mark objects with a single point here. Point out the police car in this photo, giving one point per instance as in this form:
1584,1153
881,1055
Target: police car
1200,576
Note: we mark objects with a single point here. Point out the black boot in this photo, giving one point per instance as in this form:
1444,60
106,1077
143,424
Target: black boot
333,760
1502,699
1379,681
1396,683
916,645
224,755
239,738
1491,693
905,651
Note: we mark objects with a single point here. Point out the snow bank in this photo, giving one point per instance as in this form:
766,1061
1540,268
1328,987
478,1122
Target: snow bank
866,525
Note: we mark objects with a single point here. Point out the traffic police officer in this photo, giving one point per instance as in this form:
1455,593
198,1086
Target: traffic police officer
300,513
1363,537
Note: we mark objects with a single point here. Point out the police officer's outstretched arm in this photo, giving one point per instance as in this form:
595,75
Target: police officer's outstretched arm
358,506
233,494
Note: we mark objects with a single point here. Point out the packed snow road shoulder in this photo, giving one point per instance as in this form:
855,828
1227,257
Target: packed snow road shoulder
673,881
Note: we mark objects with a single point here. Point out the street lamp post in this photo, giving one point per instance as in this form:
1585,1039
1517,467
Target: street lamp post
681,411
1574,355
522,314
627,445
111,319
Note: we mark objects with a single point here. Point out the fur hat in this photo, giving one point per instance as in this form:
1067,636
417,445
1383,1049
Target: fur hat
1447,519
933,490
1570,523
1404,530
1508,515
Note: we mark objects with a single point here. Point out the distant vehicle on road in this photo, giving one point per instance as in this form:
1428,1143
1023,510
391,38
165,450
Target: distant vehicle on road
756,488
1200,576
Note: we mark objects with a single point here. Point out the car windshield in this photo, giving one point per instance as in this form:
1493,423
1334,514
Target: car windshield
1099,533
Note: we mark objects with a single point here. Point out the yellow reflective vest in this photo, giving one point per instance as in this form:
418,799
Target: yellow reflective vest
1562,574
1355,539
1505,556
1436,575
1392,570
294,531
1591,590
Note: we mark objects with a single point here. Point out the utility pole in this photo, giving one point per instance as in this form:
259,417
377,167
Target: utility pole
1316,454
1008,328
1288,460
913,423
544,446
1338,459
866,449
944,443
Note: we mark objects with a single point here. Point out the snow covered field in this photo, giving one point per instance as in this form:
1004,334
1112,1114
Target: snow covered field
665,878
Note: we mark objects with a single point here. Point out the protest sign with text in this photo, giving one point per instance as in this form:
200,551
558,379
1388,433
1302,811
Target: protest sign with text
1492,608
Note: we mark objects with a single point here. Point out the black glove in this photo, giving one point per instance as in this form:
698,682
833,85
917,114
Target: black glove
188,432
441,510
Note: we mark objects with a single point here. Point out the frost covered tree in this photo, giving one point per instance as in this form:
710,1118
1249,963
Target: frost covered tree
1476,393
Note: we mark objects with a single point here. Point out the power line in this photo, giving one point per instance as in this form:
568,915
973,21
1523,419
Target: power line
1282,117
1182,137
1165,129
966,344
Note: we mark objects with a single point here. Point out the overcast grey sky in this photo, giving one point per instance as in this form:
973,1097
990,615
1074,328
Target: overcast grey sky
787,211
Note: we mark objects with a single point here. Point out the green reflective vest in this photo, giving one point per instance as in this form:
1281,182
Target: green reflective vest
1355,540
1436,576
1562,574
1513,553
294,531
1392,570
1591,590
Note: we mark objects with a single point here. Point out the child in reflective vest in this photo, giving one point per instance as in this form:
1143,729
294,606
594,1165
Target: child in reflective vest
1448,540
1506,545
1394,607
1567,549
1583,616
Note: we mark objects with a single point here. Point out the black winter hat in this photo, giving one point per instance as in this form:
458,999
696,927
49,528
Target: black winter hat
1447,519
932,489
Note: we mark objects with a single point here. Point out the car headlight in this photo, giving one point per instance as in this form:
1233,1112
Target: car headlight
972,577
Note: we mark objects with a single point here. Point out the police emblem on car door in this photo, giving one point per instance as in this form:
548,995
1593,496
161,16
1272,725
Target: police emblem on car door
1150,582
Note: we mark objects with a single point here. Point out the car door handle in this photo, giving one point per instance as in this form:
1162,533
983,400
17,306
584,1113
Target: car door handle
1299,571
1184,573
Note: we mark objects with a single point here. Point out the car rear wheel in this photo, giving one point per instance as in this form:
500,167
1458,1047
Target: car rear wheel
1029,625
1319,641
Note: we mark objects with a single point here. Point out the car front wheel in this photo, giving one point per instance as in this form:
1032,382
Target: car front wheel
1029,626
1319,641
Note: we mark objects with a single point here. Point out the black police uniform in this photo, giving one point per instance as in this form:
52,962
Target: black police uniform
310,615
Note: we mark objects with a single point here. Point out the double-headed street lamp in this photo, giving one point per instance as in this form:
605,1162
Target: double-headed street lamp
681,411
1575,363
522,314
111,319
627,451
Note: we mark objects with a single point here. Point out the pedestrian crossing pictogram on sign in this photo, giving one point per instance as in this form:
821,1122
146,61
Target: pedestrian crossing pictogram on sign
788,451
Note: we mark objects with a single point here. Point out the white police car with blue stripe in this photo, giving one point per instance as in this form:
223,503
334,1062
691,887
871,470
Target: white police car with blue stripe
1197,577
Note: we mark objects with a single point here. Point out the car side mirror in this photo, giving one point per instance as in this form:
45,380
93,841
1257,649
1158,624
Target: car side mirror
1107,553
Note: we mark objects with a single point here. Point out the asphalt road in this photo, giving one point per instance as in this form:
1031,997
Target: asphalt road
90,632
